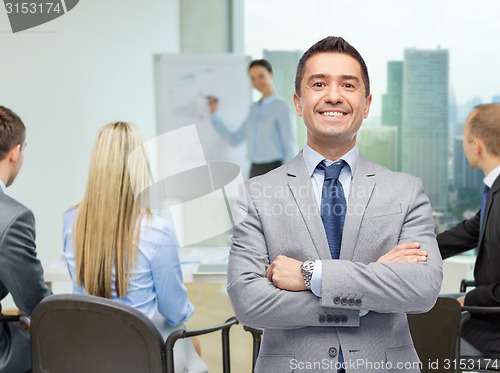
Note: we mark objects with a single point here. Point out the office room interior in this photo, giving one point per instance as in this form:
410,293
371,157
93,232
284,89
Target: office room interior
96,64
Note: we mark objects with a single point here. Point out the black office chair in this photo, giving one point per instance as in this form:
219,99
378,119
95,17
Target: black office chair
481,364
436,335
81,333
257,338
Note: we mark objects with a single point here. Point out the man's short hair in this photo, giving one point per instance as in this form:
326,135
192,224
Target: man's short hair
12,131
331,44
485,125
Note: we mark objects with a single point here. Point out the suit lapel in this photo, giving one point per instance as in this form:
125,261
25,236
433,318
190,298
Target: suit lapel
363,183
489,202
302,191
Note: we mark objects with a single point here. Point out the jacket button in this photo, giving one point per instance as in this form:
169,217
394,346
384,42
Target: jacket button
343,301
359,302
336,300
343,318
336,319
332,351
329,318
321,318
351,302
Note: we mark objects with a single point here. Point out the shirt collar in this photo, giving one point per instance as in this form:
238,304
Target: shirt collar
312,158
267,100
2,185
492,176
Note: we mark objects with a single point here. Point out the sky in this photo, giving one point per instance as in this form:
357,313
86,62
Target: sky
382,29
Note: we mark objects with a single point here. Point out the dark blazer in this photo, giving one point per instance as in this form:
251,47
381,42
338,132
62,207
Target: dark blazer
481,332
21,275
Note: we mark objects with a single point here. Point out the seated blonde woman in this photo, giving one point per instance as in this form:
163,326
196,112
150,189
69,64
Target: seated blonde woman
115,248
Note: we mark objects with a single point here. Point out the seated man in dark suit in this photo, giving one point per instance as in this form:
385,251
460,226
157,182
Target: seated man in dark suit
21,273
482,149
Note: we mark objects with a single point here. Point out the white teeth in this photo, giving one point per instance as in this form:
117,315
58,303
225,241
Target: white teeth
332,113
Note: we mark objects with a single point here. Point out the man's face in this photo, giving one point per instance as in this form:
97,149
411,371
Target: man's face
468,144
332,102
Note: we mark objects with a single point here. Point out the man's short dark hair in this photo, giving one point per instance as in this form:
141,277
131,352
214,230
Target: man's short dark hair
12,131
331,44
262,62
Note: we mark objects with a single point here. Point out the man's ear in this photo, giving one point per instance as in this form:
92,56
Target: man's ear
298,106
478,146
14,153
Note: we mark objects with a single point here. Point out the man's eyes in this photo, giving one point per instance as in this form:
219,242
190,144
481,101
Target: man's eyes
319,85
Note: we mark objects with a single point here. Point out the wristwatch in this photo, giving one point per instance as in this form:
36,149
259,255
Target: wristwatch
307,269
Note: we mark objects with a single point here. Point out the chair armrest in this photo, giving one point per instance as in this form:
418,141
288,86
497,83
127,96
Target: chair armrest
24,320
9,318
253,330
465,316
183,333
482,310
464,284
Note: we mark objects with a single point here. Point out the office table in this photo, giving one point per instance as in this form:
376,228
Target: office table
190,257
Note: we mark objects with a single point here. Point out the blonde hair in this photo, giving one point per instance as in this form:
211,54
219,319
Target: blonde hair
107,227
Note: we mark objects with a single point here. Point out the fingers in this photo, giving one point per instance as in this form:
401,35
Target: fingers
406,246
285,274
408,252
269,273
271,267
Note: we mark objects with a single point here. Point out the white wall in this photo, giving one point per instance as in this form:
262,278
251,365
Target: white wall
67,78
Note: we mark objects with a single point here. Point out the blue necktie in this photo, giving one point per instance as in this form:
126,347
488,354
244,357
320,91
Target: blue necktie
483,204
333,206
333,209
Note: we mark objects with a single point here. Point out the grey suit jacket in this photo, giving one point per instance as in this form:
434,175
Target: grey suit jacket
21,275
277,214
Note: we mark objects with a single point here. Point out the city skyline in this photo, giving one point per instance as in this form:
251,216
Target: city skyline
424,145
471,40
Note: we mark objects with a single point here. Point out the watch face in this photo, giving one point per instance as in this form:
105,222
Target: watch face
308,265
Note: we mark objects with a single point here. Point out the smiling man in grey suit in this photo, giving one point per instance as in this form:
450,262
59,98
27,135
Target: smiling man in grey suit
321,310
21,273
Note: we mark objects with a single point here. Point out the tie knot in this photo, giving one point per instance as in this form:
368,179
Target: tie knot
332,171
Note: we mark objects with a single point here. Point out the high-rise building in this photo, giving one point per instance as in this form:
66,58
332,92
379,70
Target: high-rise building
392,104
425,121
285,65
379,144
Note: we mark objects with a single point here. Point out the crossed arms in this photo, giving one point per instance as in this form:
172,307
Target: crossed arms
267,289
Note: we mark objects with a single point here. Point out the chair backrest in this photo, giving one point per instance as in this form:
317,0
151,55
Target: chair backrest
81,334
436,335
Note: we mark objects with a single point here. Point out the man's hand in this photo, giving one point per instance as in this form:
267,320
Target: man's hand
285,274
408,252
461,300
